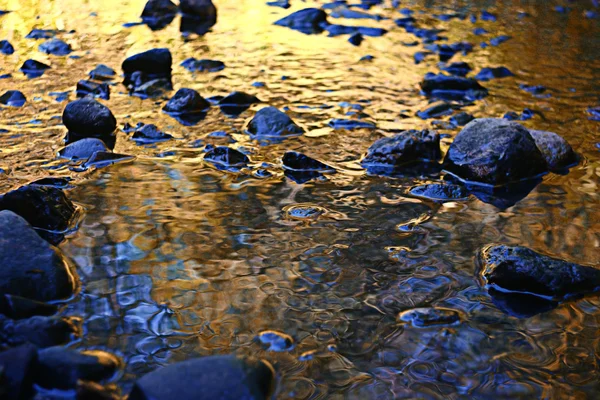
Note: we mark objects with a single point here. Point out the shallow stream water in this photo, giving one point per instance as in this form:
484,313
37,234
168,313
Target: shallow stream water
178,259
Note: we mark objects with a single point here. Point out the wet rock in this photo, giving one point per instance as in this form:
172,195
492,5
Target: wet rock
13,98
279,3
487,74
294,161
18,366
434,316
499,40
16,307
447,51
520,305
457,68
436,110
488,16
61,368
186,101
55,47
208,378
356,39
102,73
533,89
224,157
204,65
198,16
269,122
452,88
148,67
557,152
31,267
519,269
494,151
236,103
93,89
6,48
304,212
440,192
157,14
276,341
367,58
594,113
308,21
85,118
40,331
150,134
34,69
41,34
404,148
337,30
101,159
461,119
60,183
350,124
82,149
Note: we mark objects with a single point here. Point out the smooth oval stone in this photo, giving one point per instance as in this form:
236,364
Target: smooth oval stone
55,47
487,74
270,122
519,269
82,149
494,151
61,368
40,331
308,21
452,88
557,152
295,161
18,366
93,89
13,98
6,48
204,65
208,378
89,118
150,134
226,157
440,192
31,267
149,65
434,316
17,307
186,101
404,148
276,341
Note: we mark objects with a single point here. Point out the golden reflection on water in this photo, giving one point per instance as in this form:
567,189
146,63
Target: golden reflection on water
180,260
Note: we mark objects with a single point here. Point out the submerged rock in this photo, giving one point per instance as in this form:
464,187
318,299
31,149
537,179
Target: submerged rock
236,103
55,47
41,34
295,161
304,212
101,159
31,267
225,157
557,152
208,378
186,101
461,119
494,151
276,341
404,148
350,124
457,68
157,14
204,65
436,110
308,21
93,89
6,48
40,331
61,368
434,316
519,269
18,367
487,74
198,16
102,73
150,134
440,192
452,88
13,98
148,72
82,149
34,69
337,30
17,307
269,122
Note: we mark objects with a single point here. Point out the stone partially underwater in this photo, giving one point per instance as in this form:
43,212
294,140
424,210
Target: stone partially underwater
148,74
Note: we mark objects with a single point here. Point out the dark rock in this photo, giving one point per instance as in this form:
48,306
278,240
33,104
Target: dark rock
150,134
208,378
308,21
487,74
149,89
41,332
279,3
45,208
533,89
13,98
16,307
31,268
238,99
367,58
452,88
488,16
404,148
204,65
93,89
186,101
41,34
519,269
60,183
34,69
494,151
224,158
198,16
457,68
294,161
461,119
337,30
356,39
6,47
146,67
557,152
17,369
101,159
86,118
436,110
520,305
350,124
102,73
82,149
94,391
269,122
61,368
434,316
157,14
55,47
440,192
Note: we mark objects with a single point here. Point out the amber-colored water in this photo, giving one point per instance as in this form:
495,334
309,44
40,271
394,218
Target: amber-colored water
179,260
